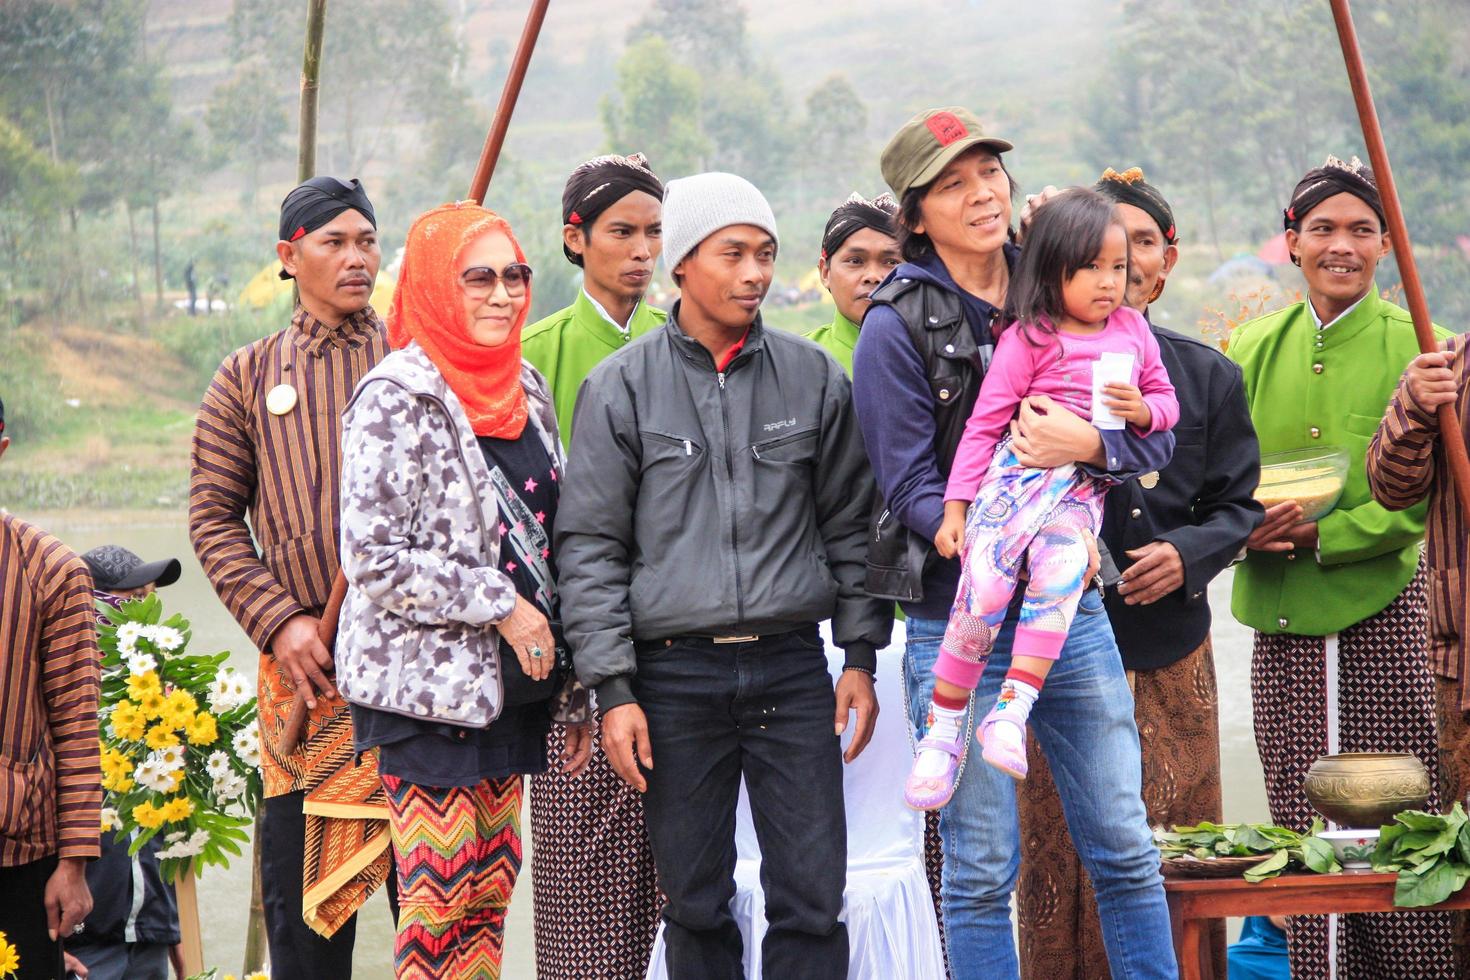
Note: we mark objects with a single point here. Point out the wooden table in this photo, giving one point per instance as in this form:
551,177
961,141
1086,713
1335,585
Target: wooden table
1193,901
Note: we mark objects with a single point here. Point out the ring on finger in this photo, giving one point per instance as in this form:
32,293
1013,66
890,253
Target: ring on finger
536,653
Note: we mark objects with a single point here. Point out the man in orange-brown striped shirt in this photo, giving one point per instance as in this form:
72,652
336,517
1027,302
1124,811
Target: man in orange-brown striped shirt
50,758
1406,463
267,442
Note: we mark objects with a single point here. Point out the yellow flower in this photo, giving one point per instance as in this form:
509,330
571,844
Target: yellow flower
9,957
178,778
203,730
182,701
176,718
148,816
160,736
142,684
130,727
178,808
258,976
151,704
117,782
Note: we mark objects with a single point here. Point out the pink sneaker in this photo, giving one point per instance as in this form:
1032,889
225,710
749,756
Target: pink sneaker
1007,756
933,792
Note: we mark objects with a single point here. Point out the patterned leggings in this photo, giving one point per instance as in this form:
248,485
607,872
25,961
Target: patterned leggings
457,852
1023,517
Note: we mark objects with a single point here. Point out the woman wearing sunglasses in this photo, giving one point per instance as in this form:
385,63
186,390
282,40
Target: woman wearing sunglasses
448,650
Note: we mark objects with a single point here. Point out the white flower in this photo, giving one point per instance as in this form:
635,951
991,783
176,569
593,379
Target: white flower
141,663
153,776
110,818
218,765
228,691
182,846
170,759
127,637
247,745
165,638
230,786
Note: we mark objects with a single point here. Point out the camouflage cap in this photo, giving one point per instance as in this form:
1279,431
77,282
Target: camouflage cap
927,143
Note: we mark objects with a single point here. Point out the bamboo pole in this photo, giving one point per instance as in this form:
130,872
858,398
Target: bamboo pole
311,69
495,139
1451,435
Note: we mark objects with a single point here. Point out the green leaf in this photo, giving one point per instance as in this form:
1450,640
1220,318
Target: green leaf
1413,891
1268,868
1419,820
1319,856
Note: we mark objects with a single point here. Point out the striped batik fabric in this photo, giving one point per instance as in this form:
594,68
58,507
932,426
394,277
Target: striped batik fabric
1384,703
457,852
284,471
1406,463
50,677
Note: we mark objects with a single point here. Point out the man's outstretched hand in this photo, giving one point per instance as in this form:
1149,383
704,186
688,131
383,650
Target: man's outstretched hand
855,694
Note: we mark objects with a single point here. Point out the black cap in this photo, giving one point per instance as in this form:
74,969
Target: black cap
2,418
115,567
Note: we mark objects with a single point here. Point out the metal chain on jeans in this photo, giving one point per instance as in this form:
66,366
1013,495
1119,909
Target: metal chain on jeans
909,727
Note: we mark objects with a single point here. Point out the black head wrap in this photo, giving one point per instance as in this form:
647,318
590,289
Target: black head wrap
2,418
1130,187
854,214
1332,178
600,183
318,201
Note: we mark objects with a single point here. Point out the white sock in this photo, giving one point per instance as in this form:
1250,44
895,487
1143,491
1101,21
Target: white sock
1015,702
946,724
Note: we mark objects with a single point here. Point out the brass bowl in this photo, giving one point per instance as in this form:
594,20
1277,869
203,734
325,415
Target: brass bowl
1366,789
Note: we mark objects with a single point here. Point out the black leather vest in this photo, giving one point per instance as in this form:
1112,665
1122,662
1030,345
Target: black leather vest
955,365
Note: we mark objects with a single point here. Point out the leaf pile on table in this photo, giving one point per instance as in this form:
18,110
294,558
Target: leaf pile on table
1283,848
1430,852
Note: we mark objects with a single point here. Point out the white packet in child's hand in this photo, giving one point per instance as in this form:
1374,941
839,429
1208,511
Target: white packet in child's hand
1110,366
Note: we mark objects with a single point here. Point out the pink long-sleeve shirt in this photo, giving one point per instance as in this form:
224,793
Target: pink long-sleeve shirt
1021,368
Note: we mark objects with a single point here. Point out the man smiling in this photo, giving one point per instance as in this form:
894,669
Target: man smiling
714,513
1349,674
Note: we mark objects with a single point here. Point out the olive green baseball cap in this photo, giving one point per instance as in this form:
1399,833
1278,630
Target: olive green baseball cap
928,142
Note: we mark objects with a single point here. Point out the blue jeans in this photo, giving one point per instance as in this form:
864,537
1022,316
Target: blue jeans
1084,723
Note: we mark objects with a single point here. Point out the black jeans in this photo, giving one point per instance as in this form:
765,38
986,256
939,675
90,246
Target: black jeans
23,919
298,953
762,709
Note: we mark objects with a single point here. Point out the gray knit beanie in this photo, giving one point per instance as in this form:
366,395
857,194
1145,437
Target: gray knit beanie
698,206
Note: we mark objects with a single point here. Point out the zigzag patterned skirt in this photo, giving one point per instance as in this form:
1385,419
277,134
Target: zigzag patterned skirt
457,852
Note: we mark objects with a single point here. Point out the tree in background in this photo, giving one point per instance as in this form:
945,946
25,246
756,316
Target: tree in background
247,124
834,138
656,110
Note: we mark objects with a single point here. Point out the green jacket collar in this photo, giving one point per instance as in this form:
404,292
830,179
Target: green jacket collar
844,331
1342,331
586,314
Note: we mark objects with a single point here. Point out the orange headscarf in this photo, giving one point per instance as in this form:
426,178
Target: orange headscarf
428,307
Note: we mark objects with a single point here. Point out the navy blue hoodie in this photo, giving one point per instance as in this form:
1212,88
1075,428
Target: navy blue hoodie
895,408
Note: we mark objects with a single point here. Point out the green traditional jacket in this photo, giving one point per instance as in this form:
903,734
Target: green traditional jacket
839,338
567,345
1310,388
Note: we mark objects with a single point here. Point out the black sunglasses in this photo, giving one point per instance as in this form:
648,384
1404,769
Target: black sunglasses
482,279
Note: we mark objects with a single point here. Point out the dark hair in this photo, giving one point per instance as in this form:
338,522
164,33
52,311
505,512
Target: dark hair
1066,233
916,246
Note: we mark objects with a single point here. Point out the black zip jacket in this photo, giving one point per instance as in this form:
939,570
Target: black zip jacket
708,503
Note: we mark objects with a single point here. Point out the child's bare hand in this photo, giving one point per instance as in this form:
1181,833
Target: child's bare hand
951,536
1126,402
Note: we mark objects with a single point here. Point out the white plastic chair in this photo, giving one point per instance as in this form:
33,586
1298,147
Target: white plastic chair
891,929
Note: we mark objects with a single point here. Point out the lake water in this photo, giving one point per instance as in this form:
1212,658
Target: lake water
224,893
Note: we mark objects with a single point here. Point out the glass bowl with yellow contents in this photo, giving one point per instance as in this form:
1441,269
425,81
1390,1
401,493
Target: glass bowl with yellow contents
1313,478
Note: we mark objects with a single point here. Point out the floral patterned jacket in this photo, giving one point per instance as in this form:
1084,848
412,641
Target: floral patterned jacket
420,552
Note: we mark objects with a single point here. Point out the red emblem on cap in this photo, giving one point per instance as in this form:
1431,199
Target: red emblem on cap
946,127
574,218
300,232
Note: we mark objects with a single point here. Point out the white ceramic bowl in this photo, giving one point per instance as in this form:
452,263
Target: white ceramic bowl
1354,847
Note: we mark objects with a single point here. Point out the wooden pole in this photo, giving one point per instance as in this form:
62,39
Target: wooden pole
1451,435
187,894
495,139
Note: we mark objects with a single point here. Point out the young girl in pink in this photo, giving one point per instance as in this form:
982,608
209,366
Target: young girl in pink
1069,338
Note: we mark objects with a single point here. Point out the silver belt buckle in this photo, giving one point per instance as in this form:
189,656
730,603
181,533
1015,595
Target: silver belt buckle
734,639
